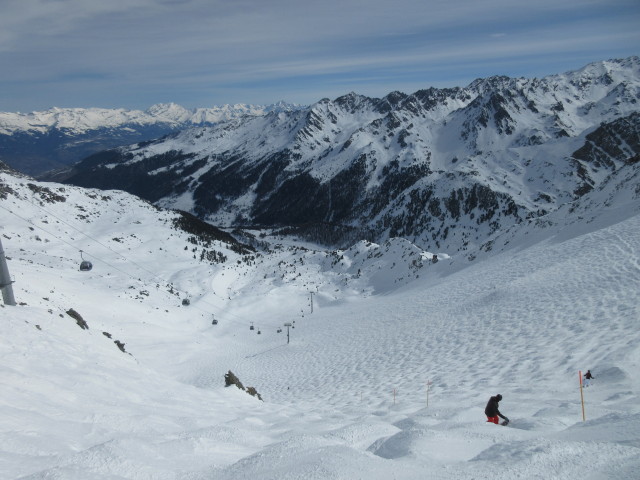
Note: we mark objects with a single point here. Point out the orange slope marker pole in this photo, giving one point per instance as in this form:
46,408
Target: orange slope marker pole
581,393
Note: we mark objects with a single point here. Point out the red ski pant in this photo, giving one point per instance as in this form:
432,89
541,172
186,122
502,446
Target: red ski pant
493,419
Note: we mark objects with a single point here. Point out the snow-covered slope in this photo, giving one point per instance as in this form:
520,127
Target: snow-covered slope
445,168
347,397
39,141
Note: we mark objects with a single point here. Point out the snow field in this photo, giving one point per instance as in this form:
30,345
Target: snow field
521,323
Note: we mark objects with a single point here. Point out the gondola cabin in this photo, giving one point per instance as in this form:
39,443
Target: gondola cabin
85,266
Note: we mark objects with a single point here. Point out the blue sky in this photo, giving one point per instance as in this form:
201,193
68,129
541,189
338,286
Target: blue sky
199,53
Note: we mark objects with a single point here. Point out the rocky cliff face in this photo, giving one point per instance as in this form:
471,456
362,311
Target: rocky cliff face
447,168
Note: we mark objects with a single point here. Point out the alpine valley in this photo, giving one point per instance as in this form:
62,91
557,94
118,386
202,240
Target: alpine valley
447,169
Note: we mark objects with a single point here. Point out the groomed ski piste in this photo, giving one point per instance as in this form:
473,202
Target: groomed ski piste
387,378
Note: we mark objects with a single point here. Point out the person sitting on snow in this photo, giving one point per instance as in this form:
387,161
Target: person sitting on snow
492,412
587,378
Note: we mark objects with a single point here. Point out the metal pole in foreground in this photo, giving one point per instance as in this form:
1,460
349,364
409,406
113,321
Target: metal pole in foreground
5,280
581,394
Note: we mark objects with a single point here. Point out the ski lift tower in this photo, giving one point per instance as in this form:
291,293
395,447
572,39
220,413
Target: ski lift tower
5,280
287,325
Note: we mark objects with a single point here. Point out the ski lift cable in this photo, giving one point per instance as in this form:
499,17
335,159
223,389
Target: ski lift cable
65,242
109,264
153,274
240,320
97,241
224,316
120,270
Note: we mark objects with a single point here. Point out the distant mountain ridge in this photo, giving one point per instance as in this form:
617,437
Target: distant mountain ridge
81,120
40,141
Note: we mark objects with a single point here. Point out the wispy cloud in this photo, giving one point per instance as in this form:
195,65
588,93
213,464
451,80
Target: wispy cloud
199,52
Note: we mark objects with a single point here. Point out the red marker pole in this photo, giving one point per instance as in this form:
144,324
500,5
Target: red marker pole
581,394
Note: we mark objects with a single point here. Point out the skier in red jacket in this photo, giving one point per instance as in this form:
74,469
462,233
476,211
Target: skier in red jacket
492,412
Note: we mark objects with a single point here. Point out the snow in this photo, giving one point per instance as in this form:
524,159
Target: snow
81,120
347,397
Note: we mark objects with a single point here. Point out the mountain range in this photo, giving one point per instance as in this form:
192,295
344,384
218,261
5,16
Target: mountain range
448,169
37,142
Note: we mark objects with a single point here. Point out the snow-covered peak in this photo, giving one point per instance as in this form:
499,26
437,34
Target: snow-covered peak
282,106
70,119
170,112
614,70
80,120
